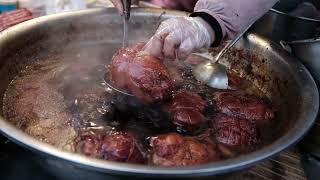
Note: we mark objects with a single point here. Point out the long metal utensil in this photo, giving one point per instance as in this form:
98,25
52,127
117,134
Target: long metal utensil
212,73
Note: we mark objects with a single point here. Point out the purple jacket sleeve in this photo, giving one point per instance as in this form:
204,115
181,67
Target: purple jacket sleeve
234,15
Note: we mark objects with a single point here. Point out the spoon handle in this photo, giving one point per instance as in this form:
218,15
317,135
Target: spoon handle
231,43
127,8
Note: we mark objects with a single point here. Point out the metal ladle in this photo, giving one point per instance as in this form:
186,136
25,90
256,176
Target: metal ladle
126,8
212,73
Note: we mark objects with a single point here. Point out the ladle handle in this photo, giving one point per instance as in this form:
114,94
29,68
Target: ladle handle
231,43
127,8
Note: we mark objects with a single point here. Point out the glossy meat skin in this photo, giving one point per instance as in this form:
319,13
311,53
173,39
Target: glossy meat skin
176,71
122,147
239,134
243,106
89,144
186,109
234,81
175,150
141,74
116,146
175,74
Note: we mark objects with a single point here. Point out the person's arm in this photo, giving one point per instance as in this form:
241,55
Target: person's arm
234,16
212,21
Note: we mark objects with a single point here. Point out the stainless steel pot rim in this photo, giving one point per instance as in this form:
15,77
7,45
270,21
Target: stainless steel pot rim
95,11
295,17
304,41
294,135
230,165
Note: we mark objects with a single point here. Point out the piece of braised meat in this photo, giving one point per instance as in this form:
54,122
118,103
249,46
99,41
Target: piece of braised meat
186,108
243,106
234,81
122,147
176,71
89,144
238,134
176,76
116,146
141,74
175,150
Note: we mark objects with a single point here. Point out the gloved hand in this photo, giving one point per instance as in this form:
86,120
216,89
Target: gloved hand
180,37
193,34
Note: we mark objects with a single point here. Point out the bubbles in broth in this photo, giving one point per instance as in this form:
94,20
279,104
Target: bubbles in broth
65,102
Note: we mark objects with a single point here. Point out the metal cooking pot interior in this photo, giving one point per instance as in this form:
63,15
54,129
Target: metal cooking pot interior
287,83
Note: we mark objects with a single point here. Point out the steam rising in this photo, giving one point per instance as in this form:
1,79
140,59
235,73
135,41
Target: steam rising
64,87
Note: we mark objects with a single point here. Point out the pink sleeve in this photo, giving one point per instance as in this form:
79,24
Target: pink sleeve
234,15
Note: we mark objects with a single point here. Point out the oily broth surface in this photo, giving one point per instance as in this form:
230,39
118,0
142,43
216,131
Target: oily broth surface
56,99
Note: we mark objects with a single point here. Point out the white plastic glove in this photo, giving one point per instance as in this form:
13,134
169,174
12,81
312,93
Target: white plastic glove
180,37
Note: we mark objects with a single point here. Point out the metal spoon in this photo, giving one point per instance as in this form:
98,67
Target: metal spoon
126,17
212,73
107,82
126,8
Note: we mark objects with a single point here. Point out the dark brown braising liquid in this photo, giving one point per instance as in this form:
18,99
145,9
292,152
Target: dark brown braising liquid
88,104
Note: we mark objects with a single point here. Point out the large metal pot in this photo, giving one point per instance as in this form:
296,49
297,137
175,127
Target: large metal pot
283,23
281,26
297,35
278,25
285,81
308,51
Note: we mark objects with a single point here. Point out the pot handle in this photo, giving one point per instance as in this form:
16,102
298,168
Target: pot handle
286,46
